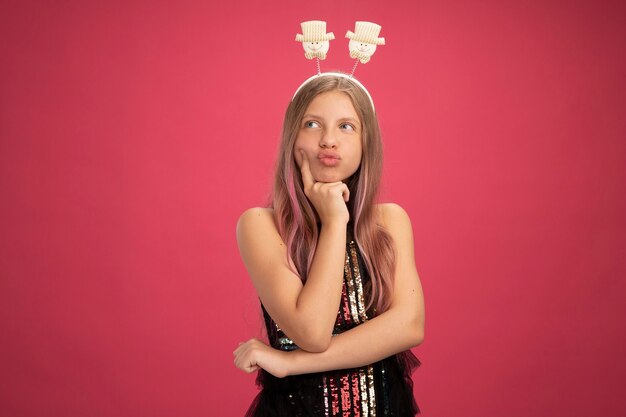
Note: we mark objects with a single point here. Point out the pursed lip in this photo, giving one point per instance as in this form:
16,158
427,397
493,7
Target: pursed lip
329,159
328,155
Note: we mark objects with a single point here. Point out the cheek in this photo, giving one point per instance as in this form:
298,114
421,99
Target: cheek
358,151
297,157
305,143
358,156
302,145
297,149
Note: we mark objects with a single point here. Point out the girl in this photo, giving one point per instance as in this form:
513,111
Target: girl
334,271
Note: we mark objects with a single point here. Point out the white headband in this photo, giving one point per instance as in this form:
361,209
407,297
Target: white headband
336,74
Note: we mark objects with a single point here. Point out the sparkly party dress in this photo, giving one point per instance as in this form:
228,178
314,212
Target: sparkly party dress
383,388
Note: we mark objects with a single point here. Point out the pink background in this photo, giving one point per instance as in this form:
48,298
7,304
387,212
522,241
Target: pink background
134,133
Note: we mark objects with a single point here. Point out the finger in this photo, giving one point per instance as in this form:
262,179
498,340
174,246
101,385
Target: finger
241,347
340,189
345,193
305,169
246,364
253,369
241,362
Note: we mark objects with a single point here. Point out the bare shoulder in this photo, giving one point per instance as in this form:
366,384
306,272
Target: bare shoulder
395,220
259,241
392,216
256,220
257,212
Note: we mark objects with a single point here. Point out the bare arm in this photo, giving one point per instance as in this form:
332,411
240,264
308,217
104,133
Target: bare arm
303,312
397,329
306,313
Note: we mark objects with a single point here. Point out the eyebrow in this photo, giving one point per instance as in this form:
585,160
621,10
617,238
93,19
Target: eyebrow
343,119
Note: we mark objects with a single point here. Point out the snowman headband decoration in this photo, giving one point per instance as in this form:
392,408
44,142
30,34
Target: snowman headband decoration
362,45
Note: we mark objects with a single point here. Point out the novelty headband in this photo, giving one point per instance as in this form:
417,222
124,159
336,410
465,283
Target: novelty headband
362,45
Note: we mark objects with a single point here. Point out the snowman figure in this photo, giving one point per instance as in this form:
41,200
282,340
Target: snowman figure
315,40
363,41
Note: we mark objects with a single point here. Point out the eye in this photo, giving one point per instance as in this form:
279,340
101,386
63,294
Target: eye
347,126
311,124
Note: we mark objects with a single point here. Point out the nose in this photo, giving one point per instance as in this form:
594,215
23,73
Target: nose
328,140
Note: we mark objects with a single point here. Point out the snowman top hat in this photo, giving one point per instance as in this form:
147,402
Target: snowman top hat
366,32
314,31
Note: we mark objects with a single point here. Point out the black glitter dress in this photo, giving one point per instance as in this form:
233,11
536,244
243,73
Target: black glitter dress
383,388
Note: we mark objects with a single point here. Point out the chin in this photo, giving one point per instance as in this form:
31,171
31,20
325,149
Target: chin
328,177
333,174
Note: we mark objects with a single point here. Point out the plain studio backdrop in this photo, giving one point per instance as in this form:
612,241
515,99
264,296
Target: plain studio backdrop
134,133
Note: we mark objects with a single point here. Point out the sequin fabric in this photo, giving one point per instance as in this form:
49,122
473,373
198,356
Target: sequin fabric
383,388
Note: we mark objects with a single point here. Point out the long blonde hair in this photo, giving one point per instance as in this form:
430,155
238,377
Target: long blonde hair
295,216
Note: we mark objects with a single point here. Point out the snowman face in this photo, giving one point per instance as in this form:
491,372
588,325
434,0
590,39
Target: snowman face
321,46
367,49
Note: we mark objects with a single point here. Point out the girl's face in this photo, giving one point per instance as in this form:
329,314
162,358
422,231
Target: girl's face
330,136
